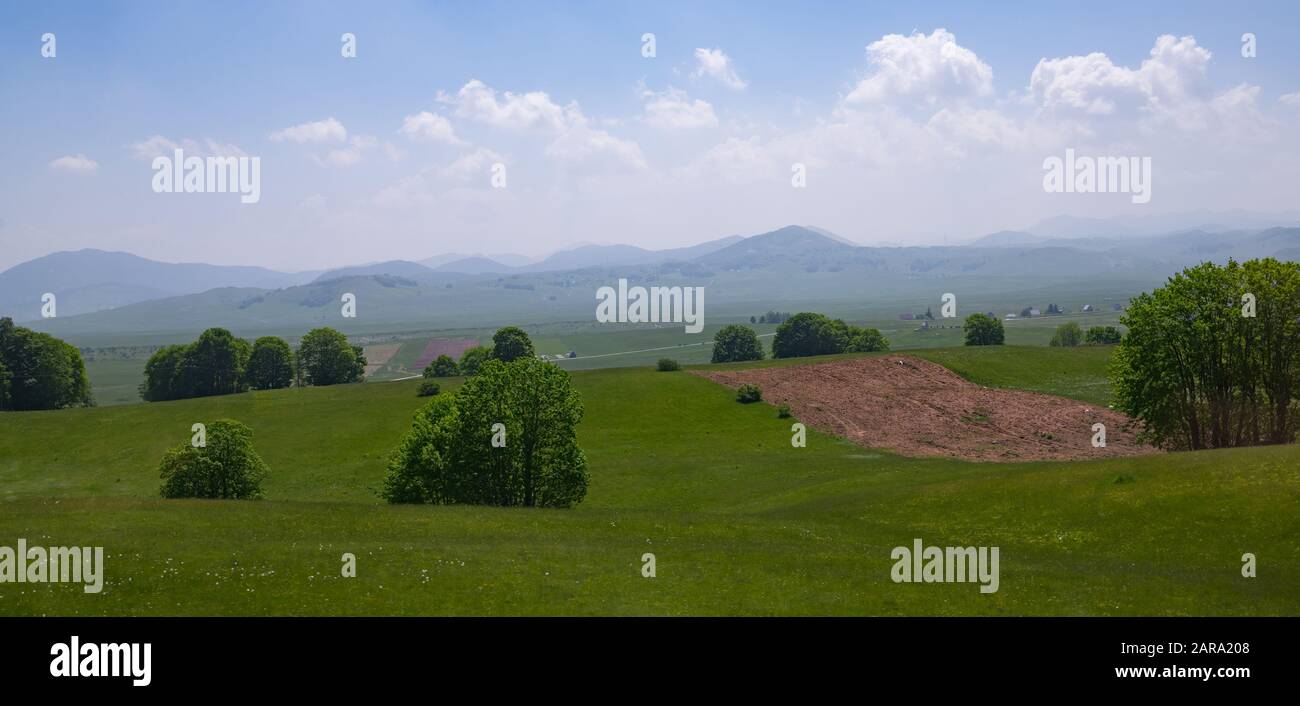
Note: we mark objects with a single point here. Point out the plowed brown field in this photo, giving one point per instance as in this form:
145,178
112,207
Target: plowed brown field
915,407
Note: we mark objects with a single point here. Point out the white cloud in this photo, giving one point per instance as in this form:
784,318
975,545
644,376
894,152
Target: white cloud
430,127
432,183
934,69
158,145
716,64
1094,85
1291,100
352,152
327,130
573,137
76,164
672,109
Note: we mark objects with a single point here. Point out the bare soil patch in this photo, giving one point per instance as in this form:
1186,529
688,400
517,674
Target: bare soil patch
915,407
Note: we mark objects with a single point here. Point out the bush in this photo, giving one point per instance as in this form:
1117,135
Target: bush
227,467
983,330
866,340
427,388
449,455
1102,336
783,410
668,365
748,393
443,367
511,343
472,359
270,366
734,343
326,358
1067,335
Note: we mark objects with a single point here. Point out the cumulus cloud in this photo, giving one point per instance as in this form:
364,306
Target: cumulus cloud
572,136
672,109
1094,85
76,164
433,183
430,127
351,153
327,130
934,69
715,64
1291,100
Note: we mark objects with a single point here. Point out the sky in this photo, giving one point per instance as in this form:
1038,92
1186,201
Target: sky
884,124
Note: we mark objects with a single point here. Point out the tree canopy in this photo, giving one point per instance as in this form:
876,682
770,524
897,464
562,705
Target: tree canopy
734,343
983,330
271,364
326,358
39,371
511,343
225,467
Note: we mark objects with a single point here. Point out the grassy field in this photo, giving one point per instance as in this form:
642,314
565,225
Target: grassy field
740,522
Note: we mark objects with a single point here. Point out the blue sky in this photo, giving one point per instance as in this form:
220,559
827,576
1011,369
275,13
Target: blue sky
914,124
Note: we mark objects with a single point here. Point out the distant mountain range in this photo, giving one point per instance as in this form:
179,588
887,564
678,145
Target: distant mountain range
110,292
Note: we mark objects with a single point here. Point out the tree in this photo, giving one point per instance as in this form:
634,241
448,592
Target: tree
213,365
983,330
161,382
40,371
443,367
748,393
511,343
866,340
326,358
807,334
753,320
270,366
472,359
226,467
668,365
455,452
428,388
929,314
1197,371
1102,335
1067,334
734,343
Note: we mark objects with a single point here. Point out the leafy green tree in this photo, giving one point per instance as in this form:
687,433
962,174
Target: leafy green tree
161,381
734,343
428,388
1067,334
40,371
807,334
511,343
270,366
213,365
4,386
226,467
472,359
443,367
983,330
866,340
326,358
1102,335
452,454
1198,371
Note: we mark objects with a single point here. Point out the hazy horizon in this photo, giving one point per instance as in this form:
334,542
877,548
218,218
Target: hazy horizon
913,126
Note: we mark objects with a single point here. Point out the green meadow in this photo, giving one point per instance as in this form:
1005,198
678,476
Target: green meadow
740,522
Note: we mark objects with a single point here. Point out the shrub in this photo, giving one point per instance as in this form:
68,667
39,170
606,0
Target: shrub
734,343
326,358
443,367
983,330
227,467
427,388
866,340
783,410
449,455
748,393
270,366
668,365
1102,335
1067,335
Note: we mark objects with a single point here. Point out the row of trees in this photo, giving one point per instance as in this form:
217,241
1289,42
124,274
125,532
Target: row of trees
505,437
1212,358
803,334
39,371
218,363
1071,334
508,344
